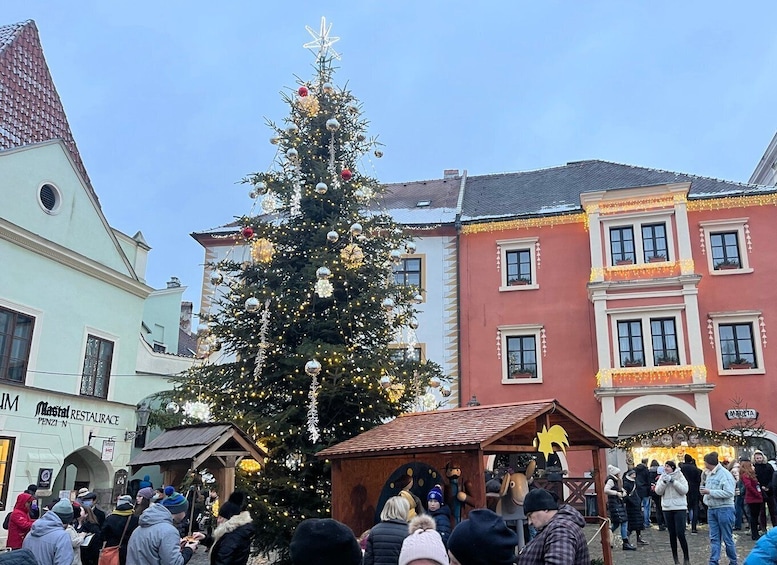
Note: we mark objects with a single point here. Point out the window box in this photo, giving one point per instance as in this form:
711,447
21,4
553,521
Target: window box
624,262
727,265
522,374
657,259
667,361
519,281
740,364
633,363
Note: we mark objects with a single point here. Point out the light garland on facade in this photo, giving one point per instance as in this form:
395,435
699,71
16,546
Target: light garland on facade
670,374
643,270
526,223
635,204
677,434
732,202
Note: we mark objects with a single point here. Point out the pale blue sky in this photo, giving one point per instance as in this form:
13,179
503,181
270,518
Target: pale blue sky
167,99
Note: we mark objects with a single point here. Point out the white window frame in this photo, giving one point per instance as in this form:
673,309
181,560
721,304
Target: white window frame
521,330
741,317
717,226
524,244
635,222
422,288
645,315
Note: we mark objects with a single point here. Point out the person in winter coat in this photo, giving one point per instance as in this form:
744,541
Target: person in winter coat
718,491
482,538
385,540
633,502
655,474
48,540
692,475
440,513
672,487
560,537
423,545
753,497
613,488
230,542
88,525
113,531
156,540
18,557
642,473
323,541
765,473
20,522
765,550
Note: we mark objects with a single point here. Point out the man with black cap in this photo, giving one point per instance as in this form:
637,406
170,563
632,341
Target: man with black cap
324,542
48,540
482,539
560,538
156,541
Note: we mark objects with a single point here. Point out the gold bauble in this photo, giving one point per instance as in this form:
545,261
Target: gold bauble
262,250
309,104
352,256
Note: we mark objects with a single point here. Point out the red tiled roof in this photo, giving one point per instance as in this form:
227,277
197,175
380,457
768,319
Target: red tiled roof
465,428
30,108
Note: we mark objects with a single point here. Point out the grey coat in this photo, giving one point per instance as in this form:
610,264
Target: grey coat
156,541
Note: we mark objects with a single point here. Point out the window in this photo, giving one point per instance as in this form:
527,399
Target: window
518,267
724,243
725,250
521,352
402,353
408,272
517,260
630,344
6,456
49,198
654,243
522,357
97,367
15,341
664,339
160,348
736,346
738,342
622,245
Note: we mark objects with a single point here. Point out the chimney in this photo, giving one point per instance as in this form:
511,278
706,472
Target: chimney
450,174
174,282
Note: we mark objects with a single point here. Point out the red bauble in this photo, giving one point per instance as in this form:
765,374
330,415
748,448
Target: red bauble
248,232
346,175
303,91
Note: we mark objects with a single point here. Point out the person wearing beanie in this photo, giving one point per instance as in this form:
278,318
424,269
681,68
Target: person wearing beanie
423,545
146,482
384,541
143,500
692,475
440,512
113,532
482,539
324,542
156,540
613,488
718,491
19,522
672,487
560,537
48,540
231,539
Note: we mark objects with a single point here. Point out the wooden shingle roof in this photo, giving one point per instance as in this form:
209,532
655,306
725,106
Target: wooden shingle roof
486,428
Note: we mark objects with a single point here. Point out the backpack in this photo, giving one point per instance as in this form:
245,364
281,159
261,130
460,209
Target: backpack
7,521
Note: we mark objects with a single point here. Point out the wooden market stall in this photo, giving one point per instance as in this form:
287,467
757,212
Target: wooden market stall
218,447
422,444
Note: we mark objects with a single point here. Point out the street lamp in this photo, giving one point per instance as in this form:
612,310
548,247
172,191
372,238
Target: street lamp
142,413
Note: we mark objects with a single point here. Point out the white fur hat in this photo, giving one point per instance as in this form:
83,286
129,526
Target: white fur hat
423,542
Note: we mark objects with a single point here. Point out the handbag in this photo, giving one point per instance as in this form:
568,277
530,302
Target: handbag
110,555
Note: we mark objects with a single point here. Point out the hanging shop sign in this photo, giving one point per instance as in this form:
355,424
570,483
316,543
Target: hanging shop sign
44,478
108,448
742,414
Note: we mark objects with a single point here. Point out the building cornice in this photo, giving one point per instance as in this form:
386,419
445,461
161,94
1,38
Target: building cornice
699,388
69,258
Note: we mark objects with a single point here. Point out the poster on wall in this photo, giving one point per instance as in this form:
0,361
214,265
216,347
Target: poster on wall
108,448
44,478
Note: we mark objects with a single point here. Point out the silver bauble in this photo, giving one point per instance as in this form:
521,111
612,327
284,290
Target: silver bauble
292,153
292,129
252,194
410,247
216,278
395,256
321,188
172,408
413,323
328,88
332,236
332,124
418,298
387,304
260,187
323,273
385,381
445,391
360,137
313,368
356,229
378,153
435,382
252,304
275,140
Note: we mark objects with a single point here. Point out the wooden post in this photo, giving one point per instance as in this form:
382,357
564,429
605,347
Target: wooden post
600,466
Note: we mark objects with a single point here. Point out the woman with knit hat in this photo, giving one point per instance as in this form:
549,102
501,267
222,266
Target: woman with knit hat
143,499
423,545
231,539
119,525
613,488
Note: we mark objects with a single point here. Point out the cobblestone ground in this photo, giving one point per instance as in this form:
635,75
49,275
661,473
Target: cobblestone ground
657,553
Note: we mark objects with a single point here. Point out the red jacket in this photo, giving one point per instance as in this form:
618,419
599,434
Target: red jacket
20,522
752,494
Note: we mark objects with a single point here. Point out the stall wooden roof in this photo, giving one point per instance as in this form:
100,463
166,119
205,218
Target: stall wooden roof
491,429
196,443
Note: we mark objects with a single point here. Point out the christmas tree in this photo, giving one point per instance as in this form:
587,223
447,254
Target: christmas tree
308,321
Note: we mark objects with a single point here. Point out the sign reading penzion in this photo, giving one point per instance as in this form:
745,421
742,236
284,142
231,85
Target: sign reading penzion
43,409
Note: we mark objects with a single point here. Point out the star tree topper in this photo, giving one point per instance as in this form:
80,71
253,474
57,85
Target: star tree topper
322,42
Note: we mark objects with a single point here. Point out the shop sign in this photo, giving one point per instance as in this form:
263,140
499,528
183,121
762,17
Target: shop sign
44,478
741,414
8,403
108,449
49,415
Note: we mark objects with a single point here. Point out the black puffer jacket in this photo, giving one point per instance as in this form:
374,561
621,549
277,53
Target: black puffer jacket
114,527
385,542
231,541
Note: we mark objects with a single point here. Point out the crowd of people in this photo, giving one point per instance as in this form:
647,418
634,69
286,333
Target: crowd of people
157,527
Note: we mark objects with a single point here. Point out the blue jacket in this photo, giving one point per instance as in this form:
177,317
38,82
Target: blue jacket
442,519
765,550
721,485
49,541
